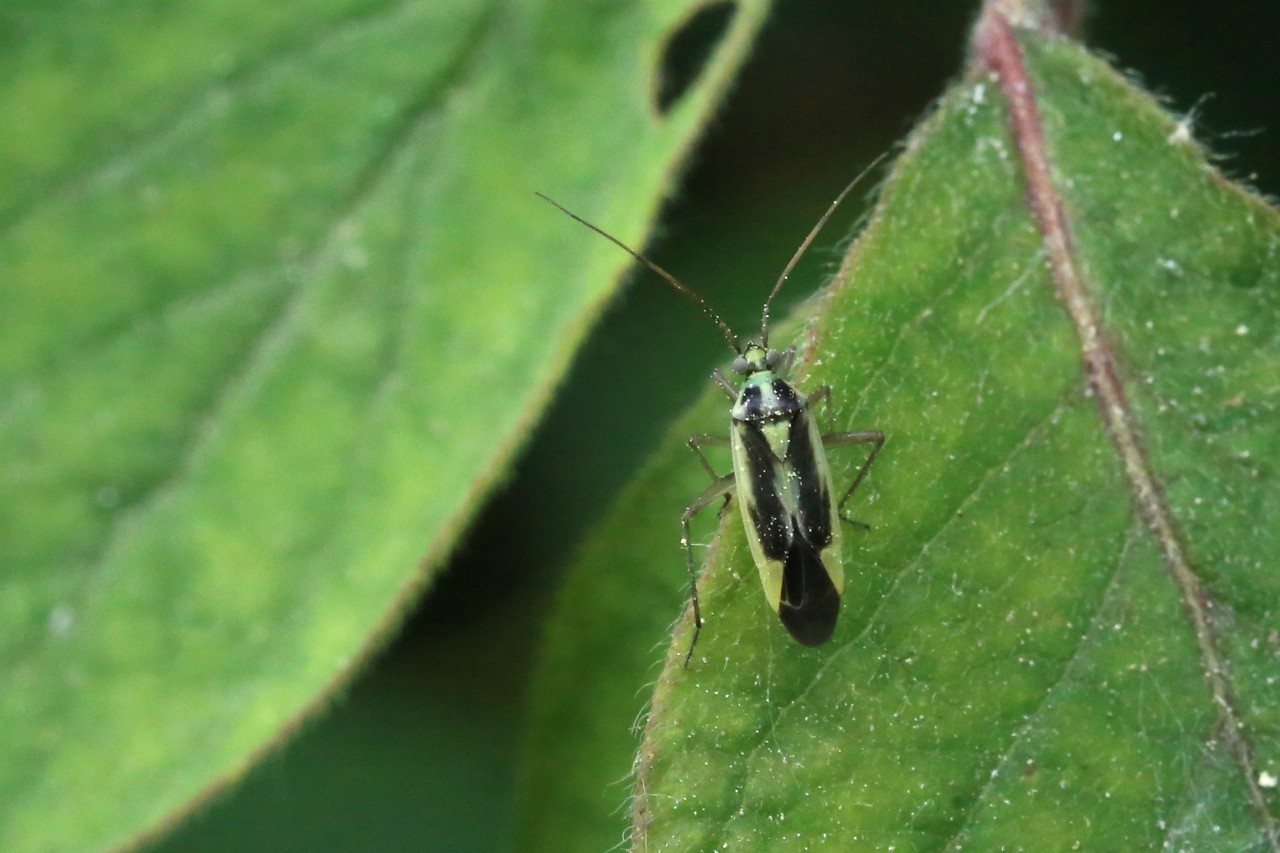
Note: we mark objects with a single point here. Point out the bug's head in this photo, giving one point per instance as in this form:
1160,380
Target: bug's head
756,359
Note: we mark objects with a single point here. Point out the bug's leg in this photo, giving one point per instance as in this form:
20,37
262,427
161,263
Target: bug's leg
822,396
696,443
788,358
722,486
726,386
844,439
714,440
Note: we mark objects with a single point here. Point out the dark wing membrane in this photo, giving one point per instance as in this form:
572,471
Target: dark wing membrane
810,603
793,535
813,502
770,518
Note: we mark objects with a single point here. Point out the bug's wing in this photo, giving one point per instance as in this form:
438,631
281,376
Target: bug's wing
810,602
784,486
761,476
815,506
812,571
811,496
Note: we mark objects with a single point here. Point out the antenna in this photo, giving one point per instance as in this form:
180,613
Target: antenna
672,280
764,319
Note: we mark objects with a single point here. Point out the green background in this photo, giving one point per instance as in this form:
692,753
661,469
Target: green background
422,751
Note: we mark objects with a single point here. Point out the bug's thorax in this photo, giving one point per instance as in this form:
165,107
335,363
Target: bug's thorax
766,402
764,396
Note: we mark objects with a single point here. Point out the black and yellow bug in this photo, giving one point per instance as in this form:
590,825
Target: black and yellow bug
780,471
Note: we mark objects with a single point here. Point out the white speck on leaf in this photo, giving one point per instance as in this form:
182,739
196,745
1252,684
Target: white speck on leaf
61,618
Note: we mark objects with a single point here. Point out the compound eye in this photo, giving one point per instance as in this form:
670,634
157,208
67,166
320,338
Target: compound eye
772,359
741,365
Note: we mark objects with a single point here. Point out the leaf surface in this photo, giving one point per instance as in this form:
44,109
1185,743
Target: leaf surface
273,319
1018,656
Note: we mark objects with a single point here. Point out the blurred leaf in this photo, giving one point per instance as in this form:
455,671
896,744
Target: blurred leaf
273,319
1015,660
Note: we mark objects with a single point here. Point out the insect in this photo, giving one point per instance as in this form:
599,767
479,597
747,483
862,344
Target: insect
780,471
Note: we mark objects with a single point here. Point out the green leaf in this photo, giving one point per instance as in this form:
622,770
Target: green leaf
1032,646
273,319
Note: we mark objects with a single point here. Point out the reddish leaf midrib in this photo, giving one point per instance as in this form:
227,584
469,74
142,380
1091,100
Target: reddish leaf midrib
997,47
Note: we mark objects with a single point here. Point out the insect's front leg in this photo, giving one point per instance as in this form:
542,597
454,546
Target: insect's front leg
723,486
822,396
788,359
726,386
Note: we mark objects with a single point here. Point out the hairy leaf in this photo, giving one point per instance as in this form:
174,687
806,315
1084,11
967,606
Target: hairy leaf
1061,625
272,321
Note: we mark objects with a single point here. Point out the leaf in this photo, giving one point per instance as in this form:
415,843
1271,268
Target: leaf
272,321
1033,643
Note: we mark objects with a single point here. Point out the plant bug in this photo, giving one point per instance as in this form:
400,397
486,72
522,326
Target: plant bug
780,471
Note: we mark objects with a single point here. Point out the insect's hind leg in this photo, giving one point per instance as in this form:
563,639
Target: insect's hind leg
723,486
